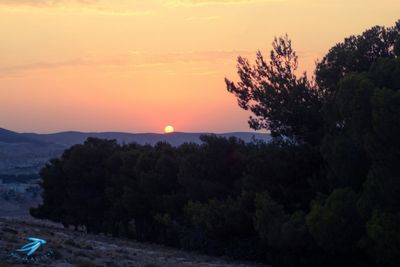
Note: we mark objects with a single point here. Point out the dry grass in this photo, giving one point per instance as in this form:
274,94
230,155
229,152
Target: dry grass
76,249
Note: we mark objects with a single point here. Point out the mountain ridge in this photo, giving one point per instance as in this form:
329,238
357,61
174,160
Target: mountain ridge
69,138
8,136
26,153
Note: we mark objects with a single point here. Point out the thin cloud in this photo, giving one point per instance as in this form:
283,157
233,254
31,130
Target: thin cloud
17,70
117,12
44,3
208,18
89,6
134,59
215,2
195,56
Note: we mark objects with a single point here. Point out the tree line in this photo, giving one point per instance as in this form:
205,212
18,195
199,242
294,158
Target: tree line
324,192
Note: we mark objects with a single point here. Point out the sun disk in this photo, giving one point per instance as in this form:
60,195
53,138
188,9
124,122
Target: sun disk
169,129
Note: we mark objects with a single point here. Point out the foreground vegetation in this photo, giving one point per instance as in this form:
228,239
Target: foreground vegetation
324,192
74,249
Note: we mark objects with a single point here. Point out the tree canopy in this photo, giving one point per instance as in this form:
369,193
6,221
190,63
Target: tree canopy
287,105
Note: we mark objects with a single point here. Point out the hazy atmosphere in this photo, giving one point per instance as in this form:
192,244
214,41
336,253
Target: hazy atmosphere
137,66
200,133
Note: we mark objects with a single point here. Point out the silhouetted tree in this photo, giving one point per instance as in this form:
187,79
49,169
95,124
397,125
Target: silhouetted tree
356,54
287,105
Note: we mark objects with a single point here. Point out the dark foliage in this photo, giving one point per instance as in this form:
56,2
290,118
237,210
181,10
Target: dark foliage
324,192
287,105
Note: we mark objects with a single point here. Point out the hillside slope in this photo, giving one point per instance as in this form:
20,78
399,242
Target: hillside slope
73,248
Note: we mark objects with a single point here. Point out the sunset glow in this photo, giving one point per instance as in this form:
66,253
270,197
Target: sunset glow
169,129
131,65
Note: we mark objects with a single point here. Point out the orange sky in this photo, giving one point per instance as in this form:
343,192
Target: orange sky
138,65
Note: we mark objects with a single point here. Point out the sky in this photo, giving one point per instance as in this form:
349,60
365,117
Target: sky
139,65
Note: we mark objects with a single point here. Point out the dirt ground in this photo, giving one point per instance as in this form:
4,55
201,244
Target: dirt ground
70,248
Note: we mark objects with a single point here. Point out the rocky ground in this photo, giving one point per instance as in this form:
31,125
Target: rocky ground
73,248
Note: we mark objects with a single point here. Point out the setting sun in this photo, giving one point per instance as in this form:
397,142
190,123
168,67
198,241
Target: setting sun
169,129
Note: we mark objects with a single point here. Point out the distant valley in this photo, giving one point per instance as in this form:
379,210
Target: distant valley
25,153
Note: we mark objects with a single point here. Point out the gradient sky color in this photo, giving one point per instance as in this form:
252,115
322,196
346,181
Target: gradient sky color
139,65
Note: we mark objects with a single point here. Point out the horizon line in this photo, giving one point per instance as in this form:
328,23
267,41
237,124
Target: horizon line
126,132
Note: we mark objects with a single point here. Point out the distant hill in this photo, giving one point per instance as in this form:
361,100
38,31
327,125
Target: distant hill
20,154
177,138
25,153
7,136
